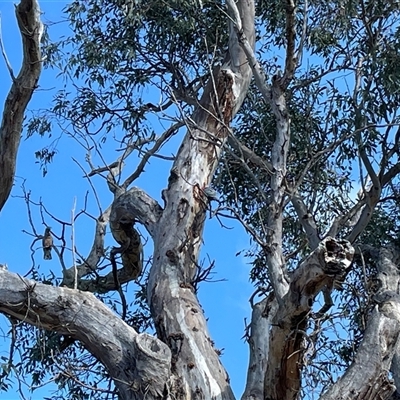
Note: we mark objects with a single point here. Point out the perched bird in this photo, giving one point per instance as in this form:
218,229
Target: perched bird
47,243
210,193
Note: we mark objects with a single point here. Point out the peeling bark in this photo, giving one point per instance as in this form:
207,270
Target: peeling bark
330,259
178,317
23,86
367,377
140,364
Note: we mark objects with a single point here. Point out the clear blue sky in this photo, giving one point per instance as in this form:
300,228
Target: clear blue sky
225,303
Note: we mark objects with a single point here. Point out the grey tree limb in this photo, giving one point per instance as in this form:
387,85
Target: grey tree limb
306,220
262,317
330,259
23,86
128,207
138,363
367,377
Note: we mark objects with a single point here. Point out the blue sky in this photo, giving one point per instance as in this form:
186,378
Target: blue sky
225,303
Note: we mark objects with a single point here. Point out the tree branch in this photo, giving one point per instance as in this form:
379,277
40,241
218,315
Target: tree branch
248,49
249,154
177,315
96,253
367,377
31,28
157,145
371,200
137,363
290,61
306,220
332,258
135,205
262,317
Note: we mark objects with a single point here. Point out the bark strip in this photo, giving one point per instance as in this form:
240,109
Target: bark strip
331,258
367,377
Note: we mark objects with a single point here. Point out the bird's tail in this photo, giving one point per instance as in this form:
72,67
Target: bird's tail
47,254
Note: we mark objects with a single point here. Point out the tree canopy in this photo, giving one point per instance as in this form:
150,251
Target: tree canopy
281,116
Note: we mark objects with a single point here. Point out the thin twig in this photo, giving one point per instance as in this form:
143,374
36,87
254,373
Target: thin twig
73,244
3,52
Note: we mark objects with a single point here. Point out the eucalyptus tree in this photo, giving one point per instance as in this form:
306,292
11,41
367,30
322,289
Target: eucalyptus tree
304,156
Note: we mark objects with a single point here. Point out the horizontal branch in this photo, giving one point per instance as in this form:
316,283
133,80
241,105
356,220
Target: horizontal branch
106,283
132,360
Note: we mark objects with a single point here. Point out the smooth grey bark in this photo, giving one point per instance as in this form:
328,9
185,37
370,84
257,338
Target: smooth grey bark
262,318
128,206
138,363
367,377
23,86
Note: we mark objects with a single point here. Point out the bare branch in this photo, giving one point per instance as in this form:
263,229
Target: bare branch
371,200
249,154
247,47
73,244
306,220
95,255
85,318
290,61
137,205
31,28
3,52
390,174
353,214
303,39
159,142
